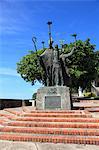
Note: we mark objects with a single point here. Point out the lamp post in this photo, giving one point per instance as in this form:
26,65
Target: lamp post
43,44
50,38
75,35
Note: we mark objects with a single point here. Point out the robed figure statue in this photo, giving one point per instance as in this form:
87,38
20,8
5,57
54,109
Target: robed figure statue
55,68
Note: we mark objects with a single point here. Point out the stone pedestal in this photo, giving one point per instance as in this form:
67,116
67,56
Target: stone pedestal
53,98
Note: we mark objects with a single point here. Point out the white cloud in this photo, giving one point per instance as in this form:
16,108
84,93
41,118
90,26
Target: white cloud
9,71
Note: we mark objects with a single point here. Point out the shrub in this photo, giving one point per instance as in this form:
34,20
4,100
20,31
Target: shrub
89,94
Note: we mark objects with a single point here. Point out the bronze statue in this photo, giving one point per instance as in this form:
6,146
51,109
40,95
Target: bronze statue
54,66
52,60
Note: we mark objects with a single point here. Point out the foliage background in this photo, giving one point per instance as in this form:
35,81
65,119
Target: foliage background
83,65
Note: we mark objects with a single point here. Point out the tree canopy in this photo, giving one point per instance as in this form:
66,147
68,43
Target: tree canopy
29,68
83,64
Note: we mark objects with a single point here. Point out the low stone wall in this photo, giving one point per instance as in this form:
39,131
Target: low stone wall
11,103
84,99
89,101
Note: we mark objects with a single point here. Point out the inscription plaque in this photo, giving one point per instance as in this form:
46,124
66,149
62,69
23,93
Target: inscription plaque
52,102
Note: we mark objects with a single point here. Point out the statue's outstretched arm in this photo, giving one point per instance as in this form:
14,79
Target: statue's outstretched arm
96,88
69,54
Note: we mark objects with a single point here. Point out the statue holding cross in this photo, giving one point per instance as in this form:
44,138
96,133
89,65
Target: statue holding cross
52,60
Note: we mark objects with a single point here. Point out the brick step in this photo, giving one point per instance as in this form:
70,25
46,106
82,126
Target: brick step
56,115
2,121
56,119
59,131
47,119
1,114
58,111
52,139
53,124
7,116
17,112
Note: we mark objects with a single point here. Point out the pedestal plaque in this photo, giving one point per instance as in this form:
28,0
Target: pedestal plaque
53,98
52,102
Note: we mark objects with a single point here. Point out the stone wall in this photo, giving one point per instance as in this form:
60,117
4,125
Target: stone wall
11,103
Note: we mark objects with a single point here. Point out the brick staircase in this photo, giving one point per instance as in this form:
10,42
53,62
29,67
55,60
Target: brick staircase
72,126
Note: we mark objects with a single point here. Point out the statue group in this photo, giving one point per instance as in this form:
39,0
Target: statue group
53,62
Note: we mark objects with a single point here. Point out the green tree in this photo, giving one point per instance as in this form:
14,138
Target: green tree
97,62
83,65
29,68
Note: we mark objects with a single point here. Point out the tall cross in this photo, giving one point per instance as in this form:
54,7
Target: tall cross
50,37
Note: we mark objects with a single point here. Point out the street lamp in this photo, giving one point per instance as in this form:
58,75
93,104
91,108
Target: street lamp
75,35
43,44
50,38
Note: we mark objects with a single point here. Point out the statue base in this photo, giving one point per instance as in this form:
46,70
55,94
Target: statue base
53,98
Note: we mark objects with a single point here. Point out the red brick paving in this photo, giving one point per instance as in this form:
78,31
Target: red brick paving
59,131
53,139
54,125
49,126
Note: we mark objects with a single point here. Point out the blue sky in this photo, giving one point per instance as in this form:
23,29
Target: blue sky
20,20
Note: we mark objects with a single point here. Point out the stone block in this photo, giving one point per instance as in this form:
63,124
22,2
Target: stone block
54,98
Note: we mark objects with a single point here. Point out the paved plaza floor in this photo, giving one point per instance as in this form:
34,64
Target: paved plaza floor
9,145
